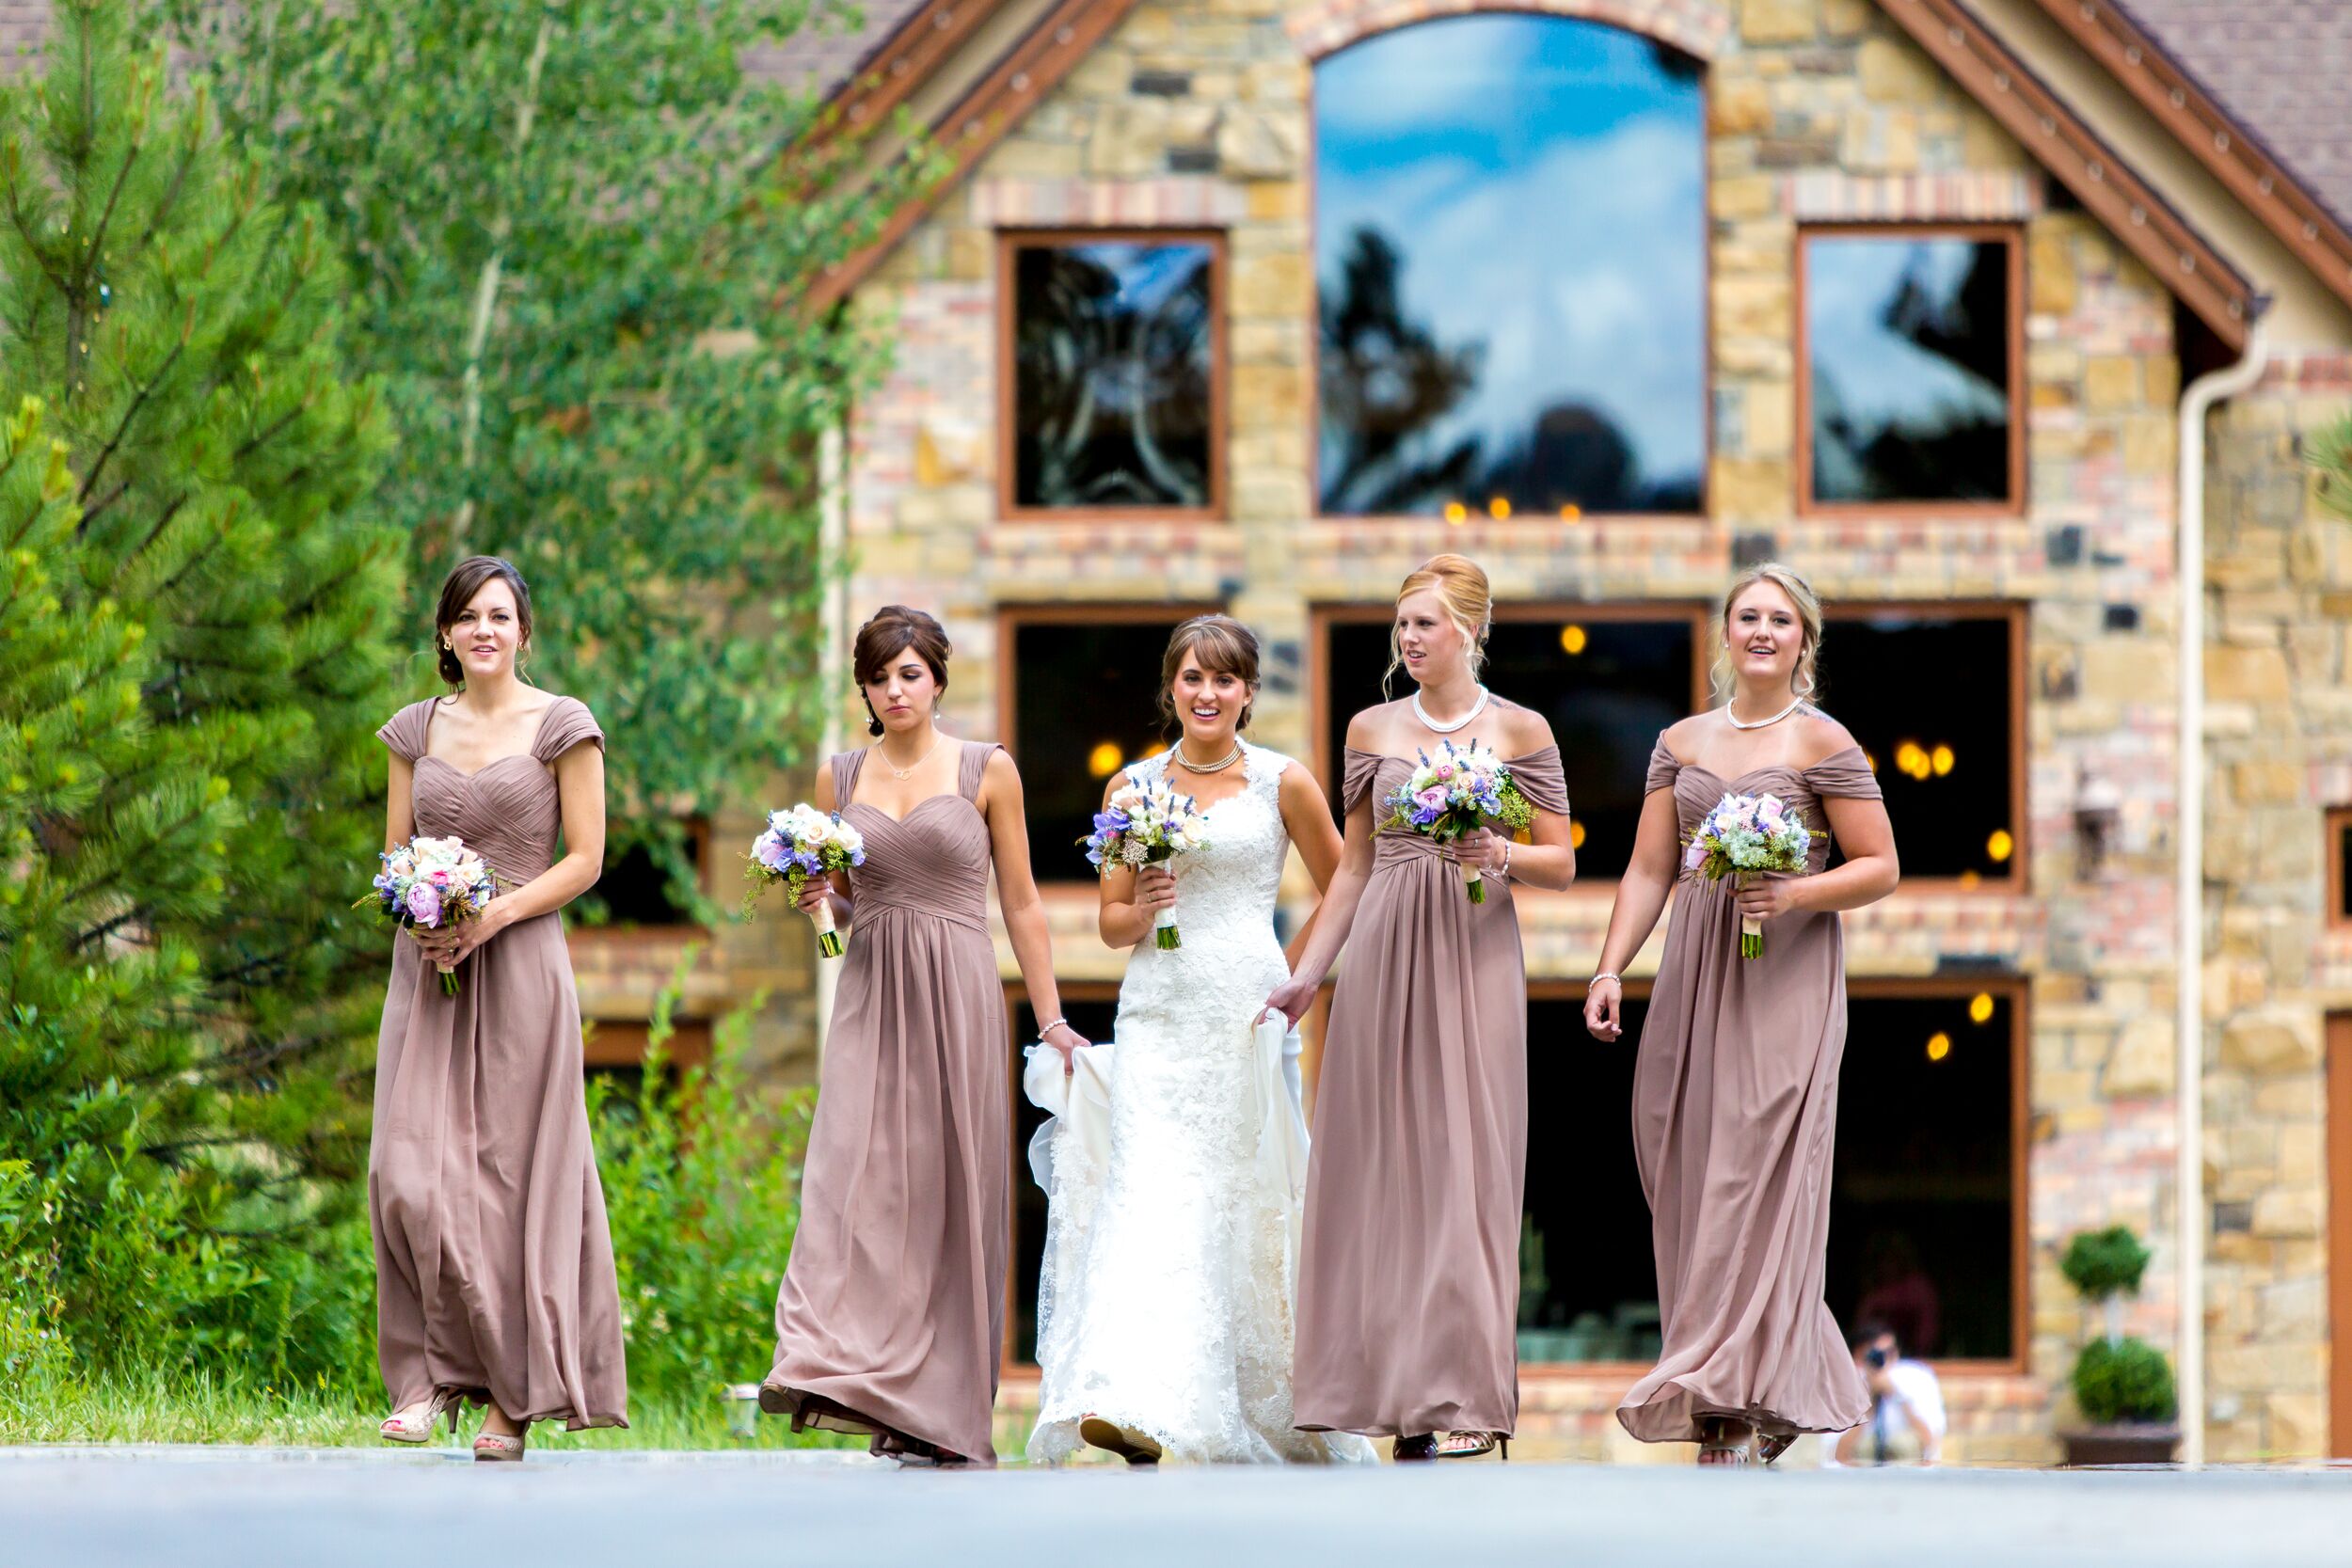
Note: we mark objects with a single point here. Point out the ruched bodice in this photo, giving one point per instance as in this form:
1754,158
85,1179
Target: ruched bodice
932,864
1697,789
508,811
1538,775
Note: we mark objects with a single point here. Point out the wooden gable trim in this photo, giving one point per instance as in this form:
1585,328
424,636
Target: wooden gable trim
2234,154
1000,101
2182,259
918,46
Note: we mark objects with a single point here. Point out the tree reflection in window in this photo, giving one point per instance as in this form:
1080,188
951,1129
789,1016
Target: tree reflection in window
1113,360
1511,260
1907,349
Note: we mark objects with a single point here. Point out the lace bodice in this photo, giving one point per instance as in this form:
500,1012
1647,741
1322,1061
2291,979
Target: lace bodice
1225,890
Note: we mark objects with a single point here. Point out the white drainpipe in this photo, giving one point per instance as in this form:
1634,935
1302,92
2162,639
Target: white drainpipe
832,660
2201,395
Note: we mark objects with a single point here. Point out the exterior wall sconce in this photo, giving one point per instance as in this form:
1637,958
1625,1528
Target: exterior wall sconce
2098,814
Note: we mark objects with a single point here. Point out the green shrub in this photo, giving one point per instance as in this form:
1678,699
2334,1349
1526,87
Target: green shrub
701,1184
2124,1380
2103,1263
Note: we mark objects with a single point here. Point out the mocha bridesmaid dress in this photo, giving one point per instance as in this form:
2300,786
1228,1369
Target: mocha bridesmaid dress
494,1268
1734,1105
893,1303
1409,1286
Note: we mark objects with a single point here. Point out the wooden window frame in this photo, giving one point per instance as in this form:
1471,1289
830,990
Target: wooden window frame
2338,824
1704,513
2338,1175
1011,618
2010,234
1010,242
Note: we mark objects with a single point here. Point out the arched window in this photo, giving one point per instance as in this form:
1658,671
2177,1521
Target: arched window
1510,249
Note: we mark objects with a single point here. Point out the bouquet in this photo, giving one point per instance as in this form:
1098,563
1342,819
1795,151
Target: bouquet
1744,837
1147,825
433,882
799,844
1459,790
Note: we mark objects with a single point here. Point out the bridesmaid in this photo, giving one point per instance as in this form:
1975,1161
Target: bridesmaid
1408,1286
1735,1093
891,1315
494,1269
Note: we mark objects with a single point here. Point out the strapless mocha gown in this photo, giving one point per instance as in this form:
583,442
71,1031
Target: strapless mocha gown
1735,1106
893,1303
1408,1283
493,1264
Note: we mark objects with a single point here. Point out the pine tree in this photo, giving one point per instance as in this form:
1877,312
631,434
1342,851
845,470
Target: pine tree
196,656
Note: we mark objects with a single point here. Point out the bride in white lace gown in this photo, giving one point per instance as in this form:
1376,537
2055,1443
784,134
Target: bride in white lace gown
1165,1308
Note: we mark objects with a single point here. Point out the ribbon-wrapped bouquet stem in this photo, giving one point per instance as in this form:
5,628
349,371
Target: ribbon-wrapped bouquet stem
1147,824
1458,791
798,845
1745,837
432,884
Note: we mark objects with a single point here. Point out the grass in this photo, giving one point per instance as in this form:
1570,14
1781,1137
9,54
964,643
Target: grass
154,1409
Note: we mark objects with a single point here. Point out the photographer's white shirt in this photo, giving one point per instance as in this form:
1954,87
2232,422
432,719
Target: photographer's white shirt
1916,1385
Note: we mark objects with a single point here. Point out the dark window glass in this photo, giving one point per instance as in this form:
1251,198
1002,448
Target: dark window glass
1091,1019
2342,825
1907,345
1510,253
1609,687
1923,1207
1086,703
636,888
1928,698
1112,365
1588,1282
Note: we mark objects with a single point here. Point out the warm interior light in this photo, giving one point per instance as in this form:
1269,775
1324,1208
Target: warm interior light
1105,759
1939,1046
1911,760
1942,758
1571,514
2000,845
1575,833
1969,879
1981,1007
1455,511
1498,507
1572,639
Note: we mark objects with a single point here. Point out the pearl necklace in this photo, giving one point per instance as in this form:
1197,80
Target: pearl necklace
1191,766
1740,723
1476,708
902,774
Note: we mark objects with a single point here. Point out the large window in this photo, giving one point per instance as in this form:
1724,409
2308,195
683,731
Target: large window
1936,701
1091,1009
1510,254
1113,345
1927,1207
1081,688
1912,368
637,889
1608,679
2338,849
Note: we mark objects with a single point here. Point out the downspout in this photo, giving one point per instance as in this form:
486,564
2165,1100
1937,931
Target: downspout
832,659
2195,400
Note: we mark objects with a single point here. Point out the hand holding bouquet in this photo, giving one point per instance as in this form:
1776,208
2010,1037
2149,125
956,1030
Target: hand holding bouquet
1744,836
1147,825
432,884
801,843
1460,790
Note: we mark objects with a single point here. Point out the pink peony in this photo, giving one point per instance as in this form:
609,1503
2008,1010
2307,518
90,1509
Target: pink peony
1694,856
1432,798
771,852
424,904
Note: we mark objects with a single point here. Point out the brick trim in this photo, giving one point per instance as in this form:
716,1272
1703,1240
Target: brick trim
1696,28
1827,195
1178,202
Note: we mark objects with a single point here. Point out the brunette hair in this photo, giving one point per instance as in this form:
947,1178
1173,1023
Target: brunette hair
465,579
1460,585
1805,680
895,628
1224,647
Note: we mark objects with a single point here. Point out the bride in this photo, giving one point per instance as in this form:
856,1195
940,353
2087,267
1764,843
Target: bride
1171,1266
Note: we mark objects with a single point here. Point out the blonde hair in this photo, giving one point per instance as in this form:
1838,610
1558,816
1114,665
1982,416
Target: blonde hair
1805,681
1461,588
1224,647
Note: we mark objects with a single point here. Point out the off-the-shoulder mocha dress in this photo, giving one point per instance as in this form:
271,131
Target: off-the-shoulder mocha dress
1408,1286
494,1268
893,1301
1735,1106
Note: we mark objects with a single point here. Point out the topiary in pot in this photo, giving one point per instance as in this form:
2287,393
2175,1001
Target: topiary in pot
2125,1385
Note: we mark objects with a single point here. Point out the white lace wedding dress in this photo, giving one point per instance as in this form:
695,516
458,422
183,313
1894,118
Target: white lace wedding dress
1166,1301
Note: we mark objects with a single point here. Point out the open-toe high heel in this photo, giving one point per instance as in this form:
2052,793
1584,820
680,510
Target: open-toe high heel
403,1427
1472,1444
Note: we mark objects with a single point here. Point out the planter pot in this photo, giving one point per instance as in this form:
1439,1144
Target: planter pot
2121,1443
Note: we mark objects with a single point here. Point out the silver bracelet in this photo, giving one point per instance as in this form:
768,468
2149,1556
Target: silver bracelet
1597,979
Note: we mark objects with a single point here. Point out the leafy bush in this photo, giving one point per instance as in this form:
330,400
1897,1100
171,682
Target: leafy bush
2124,1380
2103,1263
701,1184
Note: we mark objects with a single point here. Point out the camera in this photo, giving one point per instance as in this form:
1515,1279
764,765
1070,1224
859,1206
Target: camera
1875,1357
